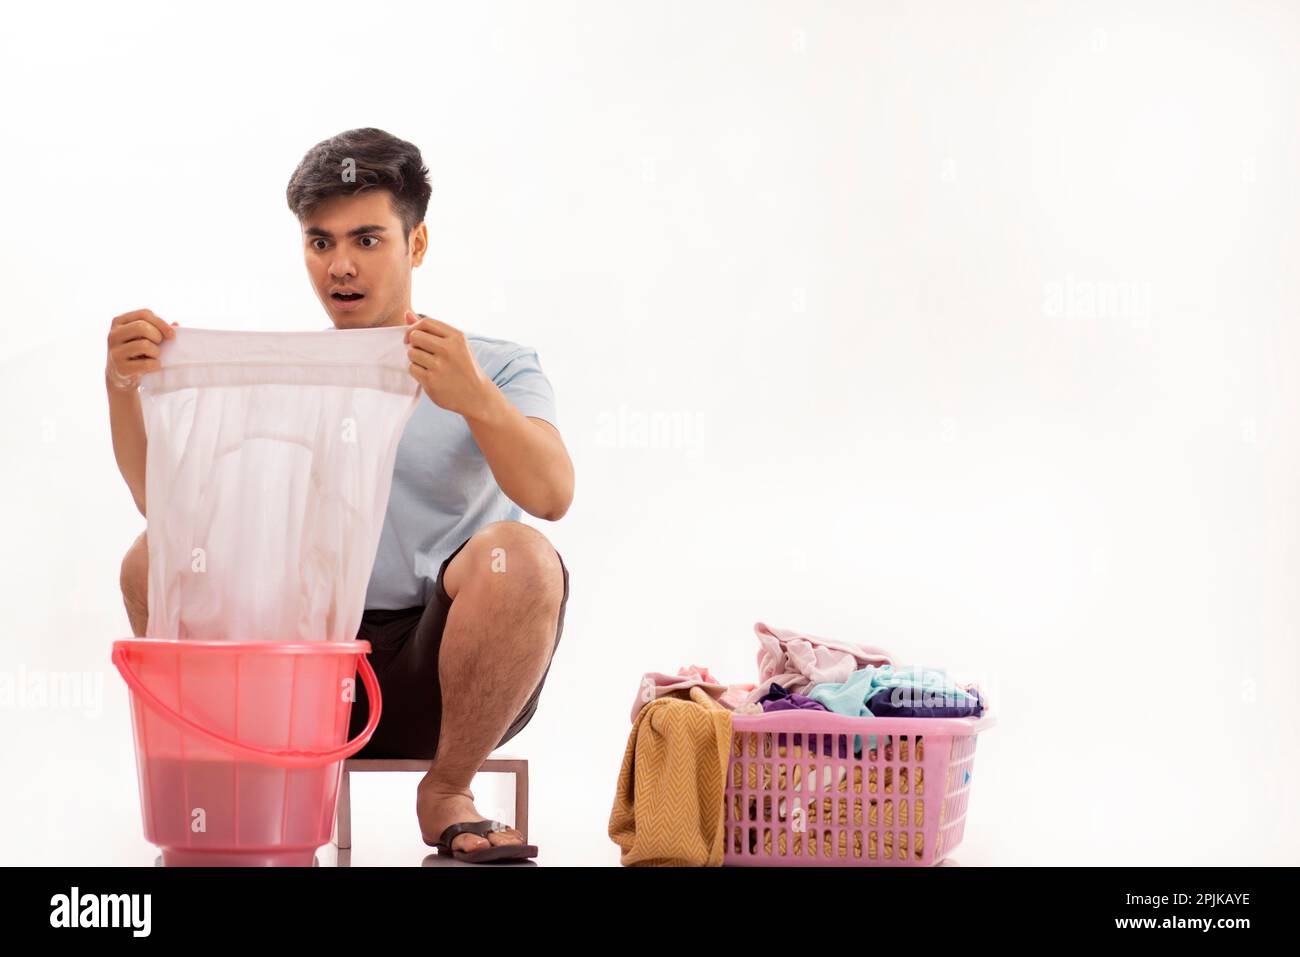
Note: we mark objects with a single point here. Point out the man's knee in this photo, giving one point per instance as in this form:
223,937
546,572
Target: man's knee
520,553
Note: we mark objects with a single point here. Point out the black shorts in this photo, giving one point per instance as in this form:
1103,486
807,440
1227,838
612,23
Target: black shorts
404,653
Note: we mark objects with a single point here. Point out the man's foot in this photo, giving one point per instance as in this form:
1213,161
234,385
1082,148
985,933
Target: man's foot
439,806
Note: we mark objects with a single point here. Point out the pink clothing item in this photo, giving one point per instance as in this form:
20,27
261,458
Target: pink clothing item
736,695
656,684
701,672
797,661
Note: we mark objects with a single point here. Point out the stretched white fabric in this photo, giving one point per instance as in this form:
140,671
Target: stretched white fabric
269,464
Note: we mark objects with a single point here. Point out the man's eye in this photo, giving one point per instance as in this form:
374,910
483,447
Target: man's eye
314,242
375,238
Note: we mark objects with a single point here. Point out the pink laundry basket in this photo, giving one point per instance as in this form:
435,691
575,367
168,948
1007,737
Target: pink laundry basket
797,795
240,744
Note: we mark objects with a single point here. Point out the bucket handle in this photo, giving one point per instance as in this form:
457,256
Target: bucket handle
281,757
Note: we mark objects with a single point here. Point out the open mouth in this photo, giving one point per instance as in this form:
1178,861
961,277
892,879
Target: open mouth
346,296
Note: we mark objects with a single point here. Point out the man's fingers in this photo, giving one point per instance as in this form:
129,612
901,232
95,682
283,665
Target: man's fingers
134,349
426,341
136,329
437,326
139,329
133,369
433,327
420,358
147,317
133,315
138,348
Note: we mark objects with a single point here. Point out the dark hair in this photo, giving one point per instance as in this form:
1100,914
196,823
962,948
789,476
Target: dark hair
380,161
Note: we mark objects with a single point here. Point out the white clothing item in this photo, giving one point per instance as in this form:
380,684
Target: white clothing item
270,459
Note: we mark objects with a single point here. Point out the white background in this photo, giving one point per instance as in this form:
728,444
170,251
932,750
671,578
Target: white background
972,325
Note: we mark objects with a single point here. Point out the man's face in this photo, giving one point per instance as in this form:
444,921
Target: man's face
358,260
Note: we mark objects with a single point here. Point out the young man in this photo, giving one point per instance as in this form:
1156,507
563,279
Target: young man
465,604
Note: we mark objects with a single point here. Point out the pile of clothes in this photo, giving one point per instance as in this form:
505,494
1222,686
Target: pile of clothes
668,805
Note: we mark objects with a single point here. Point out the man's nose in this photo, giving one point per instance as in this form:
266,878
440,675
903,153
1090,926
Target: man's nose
341,268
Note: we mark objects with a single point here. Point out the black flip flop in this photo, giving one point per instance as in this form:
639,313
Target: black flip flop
495,852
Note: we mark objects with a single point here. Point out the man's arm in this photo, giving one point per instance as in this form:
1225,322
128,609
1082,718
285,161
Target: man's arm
527,456
129,441
133,350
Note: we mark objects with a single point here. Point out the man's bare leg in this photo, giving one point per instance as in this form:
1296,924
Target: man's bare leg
135,585
507,586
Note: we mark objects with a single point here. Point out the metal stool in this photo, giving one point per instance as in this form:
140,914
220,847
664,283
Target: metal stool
505,764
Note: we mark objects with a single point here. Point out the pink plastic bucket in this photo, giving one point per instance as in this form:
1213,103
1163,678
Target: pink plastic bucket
239,745
797,794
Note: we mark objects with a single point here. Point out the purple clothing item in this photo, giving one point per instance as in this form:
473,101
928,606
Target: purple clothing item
778,699
912,703
796,702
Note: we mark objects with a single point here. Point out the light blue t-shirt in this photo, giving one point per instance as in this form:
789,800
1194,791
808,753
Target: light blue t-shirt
443,490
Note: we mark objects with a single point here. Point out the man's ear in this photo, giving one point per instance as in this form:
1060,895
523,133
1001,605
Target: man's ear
418,242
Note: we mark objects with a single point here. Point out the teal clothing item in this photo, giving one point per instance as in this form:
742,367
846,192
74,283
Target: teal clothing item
850,697
443,489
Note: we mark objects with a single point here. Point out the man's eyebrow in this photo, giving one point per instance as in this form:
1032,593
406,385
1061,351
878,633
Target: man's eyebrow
359,231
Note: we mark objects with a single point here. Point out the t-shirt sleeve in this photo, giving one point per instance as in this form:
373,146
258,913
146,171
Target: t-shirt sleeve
526,386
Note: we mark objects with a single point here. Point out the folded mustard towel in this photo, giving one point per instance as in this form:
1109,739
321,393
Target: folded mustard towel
668,806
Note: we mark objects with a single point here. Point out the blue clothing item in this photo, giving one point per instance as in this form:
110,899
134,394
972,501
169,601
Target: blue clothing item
443,490
914,685
910,686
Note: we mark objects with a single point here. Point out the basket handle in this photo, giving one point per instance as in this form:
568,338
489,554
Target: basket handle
282,757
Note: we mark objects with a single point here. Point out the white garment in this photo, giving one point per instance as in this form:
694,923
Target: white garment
270,458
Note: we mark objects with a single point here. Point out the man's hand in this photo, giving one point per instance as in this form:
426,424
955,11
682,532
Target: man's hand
444,365
133,347
527,456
